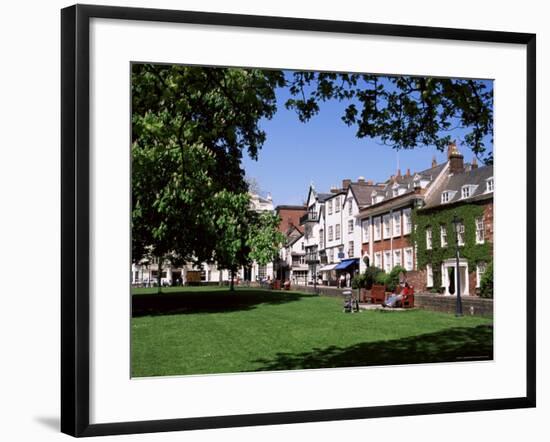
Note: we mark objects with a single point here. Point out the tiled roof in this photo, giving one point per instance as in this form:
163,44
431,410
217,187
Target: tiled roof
454,183
363,192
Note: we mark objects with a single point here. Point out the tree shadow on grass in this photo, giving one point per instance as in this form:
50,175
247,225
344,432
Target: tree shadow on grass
450,345
218,301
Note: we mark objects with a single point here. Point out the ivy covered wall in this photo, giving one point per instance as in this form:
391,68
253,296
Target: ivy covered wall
472,252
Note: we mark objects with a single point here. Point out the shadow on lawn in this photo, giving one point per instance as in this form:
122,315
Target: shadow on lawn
189,302
451,345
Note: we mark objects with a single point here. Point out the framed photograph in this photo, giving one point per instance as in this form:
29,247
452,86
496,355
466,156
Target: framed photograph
271,220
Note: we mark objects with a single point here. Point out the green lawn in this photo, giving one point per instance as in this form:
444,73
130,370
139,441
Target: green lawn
211,330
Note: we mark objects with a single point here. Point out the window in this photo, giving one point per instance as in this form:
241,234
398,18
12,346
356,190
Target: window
407,221
351,251
350,226
330,233
397,258
408,258
303,245
302,260
395,191
378,260
490,185
377,229
397,224
350,206
443,236
387,231
460,234
387,261
366,230
330,255
480,231
321,239
330,207
429,276
445,197
337,204
468,190
262,271
337,234
480,270
428,238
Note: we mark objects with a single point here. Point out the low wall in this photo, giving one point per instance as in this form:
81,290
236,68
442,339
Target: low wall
471,305
321,289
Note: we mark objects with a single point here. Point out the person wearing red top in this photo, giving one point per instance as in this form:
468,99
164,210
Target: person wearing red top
395,298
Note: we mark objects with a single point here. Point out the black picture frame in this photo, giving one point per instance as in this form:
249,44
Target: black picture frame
75,225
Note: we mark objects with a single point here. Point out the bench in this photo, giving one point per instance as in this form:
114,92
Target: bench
377,294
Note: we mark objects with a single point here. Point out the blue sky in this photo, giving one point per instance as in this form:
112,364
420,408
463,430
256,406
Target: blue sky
325,151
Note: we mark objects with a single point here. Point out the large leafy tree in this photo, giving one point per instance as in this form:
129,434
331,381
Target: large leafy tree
190,126
403,112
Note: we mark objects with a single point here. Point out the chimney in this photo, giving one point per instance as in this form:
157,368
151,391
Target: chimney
456,159
370,182
346,183
361,179
434,161
398,173
334,189
474,163
408,172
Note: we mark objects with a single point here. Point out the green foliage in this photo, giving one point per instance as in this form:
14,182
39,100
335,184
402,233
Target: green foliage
371,274
472,252
380,278
264,238
392,279
486,285
358,281
403,112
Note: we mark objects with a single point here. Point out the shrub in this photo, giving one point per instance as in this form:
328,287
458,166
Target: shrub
486,283
380,278
371,274
358,281
392,278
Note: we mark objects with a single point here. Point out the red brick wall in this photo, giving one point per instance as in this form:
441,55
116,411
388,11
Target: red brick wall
290,217
488,221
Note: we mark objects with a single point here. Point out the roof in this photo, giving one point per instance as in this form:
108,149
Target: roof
362,192
322,197
290,207
454,183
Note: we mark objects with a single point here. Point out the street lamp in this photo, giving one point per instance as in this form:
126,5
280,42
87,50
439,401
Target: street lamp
457,224
312,260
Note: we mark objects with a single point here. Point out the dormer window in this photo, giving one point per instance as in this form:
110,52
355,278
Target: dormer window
445,197
490,185
468,190
395,191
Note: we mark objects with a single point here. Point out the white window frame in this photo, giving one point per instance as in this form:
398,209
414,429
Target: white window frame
480,273
350,225
366,230
387,261
337,232
396,223
460,234
386,226
490,186
397,258
480,232
445,197
330,233
350,206
408,252
377,228
378,260
330,255
330,207
351,249
407,221
429,275
337,204
443,235
429,238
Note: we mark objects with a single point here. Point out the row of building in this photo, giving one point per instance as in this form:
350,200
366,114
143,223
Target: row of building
403,221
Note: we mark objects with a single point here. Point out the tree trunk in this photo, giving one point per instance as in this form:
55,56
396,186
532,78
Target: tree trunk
159,275
231,277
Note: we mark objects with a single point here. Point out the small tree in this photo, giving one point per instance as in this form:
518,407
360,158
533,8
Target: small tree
264,238
371,275
486,284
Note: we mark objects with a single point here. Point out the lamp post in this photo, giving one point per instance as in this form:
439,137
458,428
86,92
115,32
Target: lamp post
313,260
457,225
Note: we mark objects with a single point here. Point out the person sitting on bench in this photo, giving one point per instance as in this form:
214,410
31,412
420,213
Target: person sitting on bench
395,298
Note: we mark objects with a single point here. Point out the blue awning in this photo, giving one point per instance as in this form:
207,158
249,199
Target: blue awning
345,263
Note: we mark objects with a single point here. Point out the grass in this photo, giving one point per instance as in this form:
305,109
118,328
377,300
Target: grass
211,330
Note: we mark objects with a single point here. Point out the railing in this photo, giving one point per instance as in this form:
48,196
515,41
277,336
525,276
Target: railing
312,258
308,217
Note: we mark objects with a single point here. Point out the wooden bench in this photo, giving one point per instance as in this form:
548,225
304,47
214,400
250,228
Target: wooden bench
377,294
